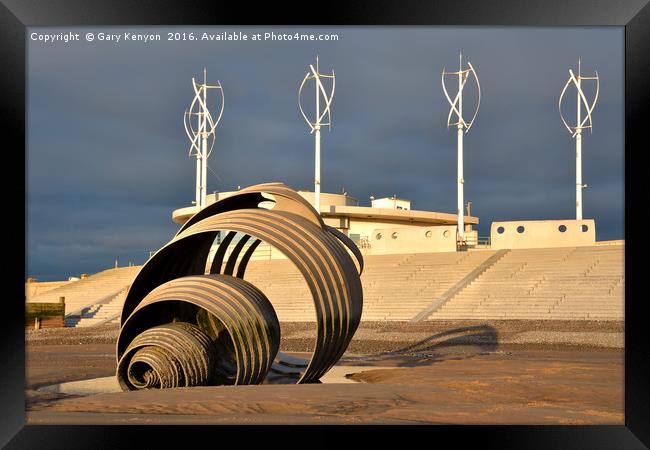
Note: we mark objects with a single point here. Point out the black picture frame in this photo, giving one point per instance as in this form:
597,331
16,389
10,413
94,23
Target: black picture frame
633,15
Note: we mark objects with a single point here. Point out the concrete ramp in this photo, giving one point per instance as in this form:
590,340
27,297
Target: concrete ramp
452,291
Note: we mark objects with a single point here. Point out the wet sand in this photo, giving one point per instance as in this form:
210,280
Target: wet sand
465,374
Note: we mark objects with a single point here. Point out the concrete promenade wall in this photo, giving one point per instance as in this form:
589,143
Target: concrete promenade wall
390,241
39,287
542,234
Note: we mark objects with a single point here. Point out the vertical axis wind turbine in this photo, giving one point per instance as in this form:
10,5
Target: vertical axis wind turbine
314,74
457,111
581,123
200,128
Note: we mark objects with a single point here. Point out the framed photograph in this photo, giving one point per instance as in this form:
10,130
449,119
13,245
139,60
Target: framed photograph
384,213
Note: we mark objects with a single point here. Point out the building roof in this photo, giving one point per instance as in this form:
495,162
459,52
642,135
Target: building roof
181,215
403,215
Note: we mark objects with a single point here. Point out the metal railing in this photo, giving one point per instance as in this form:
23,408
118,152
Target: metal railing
484,240
364,242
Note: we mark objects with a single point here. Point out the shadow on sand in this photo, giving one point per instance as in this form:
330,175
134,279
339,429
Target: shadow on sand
456,344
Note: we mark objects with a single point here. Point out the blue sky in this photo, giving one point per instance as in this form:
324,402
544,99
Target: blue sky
107,158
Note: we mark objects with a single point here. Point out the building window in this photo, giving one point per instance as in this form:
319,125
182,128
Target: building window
520,229
378,236
562,228
428,233
500,230
585,228
394,235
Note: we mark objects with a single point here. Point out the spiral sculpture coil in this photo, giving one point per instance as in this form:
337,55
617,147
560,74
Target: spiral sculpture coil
187,321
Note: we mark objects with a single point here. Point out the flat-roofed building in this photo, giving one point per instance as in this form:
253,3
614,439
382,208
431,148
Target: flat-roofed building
388,225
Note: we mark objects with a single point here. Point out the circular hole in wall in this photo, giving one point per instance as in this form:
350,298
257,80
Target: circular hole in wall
444,233
378,236
520,229
500,230
394,235
562,228
584,228
428,234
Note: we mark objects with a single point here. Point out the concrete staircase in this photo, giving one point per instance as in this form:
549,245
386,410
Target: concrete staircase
89,291
285,287
99,313
400,290
396,287
546,284
455,289
537,284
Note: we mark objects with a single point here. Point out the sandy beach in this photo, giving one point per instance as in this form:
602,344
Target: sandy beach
435,373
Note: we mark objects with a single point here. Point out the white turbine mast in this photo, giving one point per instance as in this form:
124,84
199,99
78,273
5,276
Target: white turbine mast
456,112
200,128
581,124
315,125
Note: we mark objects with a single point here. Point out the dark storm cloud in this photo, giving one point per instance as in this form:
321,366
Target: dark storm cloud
107,155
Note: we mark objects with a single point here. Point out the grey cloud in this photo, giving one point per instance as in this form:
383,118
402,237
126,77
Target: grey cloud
107,156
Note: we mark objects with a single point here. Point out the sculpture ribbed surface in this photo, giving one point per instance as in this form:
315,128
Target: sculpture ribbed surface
189,321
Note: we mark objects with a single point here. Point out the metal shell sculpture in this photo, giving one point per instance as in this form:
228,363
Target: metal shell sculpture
189,321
